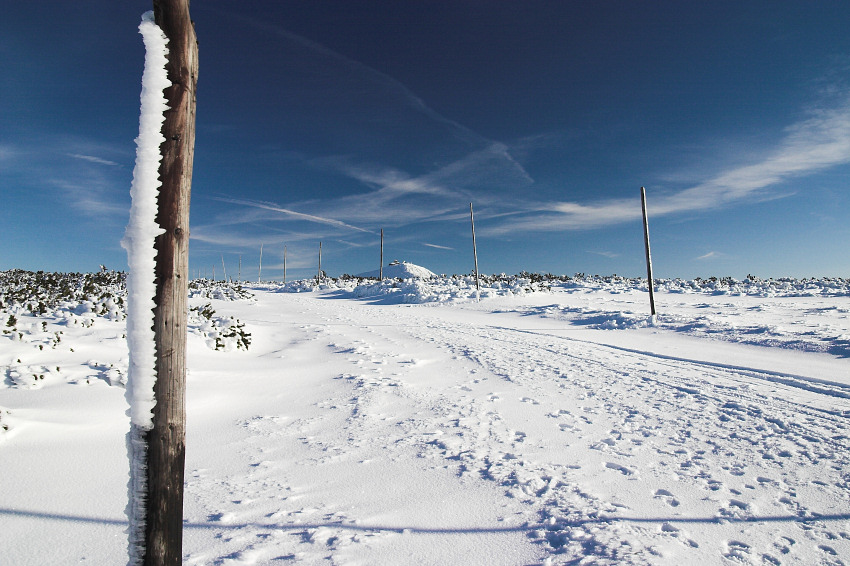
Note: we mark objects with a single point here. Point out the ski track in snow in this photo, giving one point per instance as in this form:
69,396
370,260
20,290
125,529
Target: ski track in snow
607,455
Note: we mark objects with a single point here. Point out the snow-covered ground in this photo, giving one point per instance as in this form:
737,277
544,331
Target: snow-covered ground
406,422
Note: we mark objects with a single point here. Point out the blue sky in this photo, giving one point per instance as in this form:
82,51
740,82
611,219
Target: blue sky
327,121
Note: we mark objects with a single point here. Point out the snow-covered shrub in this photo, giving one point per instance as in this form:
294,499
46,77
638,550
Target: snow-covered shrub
221,290
220,332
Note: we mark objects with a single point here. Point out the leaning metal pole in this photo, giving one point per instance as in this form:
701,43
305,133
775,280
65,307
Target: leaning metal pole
649,279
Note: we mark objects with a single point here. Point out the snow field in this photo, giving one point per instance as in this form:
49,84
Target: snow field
63,461
344,432
524,429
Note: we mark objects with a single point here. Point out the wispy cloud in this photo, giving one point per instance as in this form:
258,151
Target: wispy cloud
397,195
7,152
436,246
809,146
390,183
91,198
388,84
93,159
399,198
610,255
712,255
69,170
215,235
294,214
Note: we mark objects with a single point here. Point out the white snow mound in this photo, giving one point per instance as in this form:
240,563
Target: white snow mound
401,270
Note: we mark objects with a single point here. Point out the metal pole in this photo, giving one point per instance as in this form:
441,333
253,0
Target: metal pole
381,270
474,248
649,278
319,274
260,273
284,265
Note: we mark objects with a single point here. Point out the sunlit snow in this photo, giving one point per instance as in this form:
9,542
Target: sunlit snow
403,422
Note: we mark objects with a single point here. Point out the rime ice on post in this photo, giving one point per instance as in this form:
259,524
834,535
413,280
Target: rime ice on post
141,258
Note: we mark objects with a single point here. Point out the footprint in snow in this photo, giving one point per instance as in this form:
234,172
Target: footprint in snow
828,549
604,443
668,497
737,550
626,471
222,517
736,510
679,534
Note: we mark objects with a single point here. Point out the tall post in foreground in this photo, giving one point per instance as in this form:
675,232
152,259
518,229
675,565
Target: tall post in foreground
381,270
474,249
167,439
648,254
319,274
260,271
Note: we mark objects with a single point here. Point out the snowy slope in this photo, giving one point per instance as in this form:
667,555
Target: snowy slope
532,427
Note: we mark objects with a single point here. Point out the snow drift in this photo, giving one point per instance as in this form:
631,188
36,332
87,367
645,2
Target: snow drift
400,270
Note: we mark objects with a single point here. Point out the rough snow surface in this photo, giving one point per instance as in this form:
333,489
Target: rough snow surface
548,425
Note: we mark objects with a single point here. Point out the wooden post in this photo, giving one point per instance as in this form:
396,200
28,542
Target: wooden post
260,272
167,439
474,248
381,270
648,254
319,274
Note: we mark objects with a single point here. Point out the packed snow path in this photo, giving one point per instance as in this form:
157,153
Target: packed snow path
392,434
517,430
